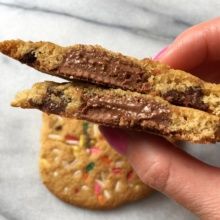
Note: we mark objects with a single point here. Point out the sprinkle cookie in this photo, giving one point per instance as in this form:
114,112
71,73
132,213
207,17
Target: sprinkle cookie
79,167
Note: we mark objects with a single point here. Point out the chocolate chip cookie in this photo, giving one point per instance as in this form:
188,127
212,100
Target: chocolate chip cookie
119,108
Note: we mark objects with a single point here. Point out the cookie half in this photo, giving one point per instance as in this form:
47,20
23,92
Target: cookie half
118,108
100,66
79,167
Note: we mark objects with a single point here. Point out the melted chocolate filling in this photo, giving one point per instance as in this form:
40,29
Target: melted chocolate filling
100,66
127,112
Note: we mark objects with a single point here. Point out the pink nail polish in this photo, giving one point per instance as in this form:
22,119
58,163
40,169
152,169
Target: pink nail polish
158,55
117,138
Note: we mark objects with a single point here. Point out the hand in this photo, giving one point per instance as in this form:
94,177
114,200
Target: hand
159,163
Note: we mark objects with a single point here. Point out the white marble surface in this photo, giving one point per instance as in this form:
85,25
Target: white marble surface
139,28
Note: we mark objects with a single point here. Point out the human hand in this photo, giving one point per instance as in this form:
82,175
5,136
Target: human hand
159,163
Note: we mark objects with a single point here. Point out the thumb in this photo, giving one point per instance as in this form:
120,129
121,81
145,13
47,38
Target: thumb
195,46
163,166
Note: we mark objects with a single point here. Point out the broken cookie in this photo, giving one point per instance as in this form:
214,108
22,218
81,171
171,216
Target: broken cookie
119,108
100,66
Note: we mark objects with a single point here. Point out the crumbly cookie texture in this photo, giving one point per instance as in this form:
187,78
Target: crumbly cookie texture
79,167
118,108
100,66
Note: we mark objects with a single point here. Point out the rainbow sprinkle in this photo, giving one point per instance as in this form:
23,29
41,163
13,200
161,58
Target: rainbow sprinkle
94,150
85,127
70,139
130,175
116,170
106,160
90,166
84,139
97,188
101,199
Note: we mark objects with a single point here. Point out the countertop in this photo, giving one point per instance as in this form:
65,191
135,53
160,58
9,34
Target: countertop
138,28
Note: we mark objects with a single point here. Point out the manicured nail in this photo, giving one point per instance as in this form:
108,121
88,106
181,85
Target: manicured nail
117,138
159,55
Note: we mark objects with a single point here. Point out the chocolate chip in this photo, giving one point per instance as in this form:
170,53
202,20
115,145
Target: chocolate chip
52,91
52,107
191,97
58,128
28,58
49,105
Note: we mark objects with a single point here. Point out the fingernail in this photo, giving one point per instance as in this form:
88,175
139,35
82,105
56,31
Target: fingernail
159,55
116,138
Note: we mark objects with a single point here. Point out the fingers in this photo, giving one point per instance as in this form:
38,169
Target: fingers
159,163
196,45
171,171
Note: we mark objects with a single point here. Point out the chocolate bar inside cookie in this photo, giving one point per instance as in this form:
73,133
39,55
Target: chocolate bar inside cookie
119,108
